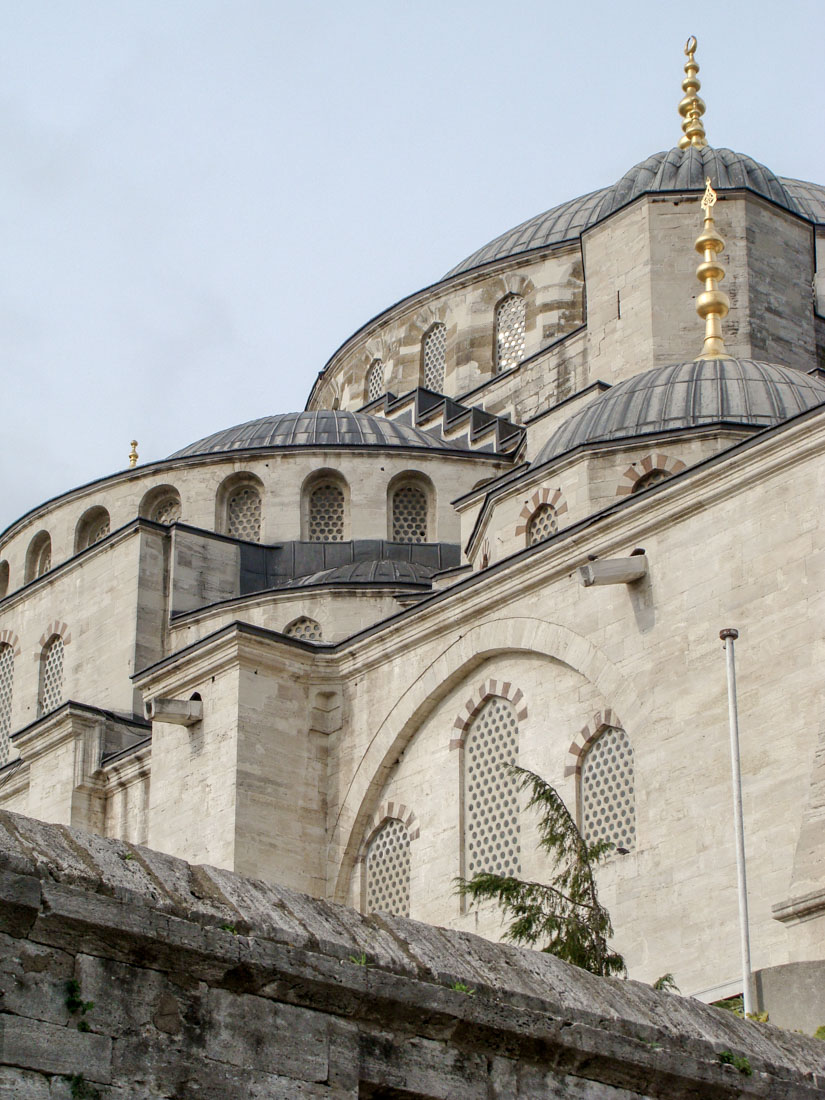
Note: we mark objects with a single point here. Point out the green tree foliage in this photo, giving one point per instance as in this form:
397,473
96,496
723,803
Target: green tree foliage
564,917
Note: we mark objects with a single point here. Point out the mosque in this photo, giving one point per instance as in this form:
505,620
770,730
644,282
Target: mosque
518,509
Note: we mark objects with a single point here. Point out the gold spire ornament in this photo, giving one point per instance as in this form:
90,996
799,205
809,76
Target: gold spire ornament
712,305
692,107
133,455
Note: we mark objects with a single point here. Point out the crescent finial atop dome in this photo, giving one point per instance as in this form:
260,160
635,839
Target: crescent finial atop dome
692,107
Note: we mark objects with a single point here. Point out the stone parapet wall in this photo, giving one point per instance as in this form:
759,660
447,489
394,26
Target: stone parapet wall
195,982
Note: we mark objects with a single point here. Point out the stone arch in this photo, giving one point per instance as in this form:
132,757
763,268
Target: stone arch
8,637
55,629
465,652
412,479
478,697
553,497
228,491
38,557
601,720
93,526
388,811
644,466
161,504
319,479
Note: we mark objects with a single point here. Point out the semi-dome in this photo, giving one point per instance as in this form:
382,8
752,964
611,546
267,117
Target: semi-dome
740,392
670,170
321,428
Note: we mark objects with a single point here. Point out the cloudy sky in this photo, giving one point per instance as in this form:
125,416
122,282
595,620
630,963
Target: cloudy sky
202,200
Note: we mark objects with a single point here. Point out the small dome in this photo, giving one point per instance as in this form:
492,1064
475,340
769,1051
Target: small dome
381,571
672,170
322,428
740,392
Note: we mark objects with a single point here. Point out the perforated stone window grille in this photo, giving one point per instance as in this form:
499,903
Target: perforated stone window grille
409,514
388,870
652,477
544,522
435,358
51,676
305,628
375,380
326,513
96,530
166,510
491,825
6,683
243,514
511,316
43,559
608,796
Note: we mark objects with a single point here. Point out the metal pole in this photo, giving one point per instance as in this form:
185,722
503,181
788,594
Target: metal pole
728,636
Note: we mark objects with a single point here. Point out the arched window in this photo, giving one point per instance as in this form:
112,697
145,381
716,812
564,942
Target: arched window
6,683
491,826
304,627
375,380
544,522
161,504
93,526
434,357
608,800
409,514
325,519
388,869
51,675
243,513
38,556
652,477
511,315
4,578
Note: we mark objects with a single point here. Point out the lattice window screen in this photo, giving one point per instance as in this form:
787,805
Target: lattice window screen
305,628
510,326
491,827
96,530
6,683
51,676
243,514
652,477
435,358
375,380
409,514
607,790
326,513
543,523
388,870
43,558
167,510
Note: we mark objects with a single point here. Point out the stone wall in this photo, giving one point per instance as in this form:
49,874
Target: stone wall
126,973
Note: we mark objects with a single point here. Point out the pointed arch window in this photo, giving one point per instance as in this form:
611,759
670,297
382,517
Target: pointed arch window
51,675
243,513
434,355
93,527
388,869
305,628
6,685
326,513
608,792
511,320
375,380
544,522
491,818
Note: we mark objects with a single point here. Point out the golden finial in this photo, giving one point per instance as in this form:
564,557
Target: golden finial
133,455
712,304
692,107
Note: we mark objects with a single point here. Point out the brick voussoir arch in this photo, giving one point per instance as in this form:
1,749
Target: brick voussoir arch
8,637
653,461
58,628
553,497
389,811
503,689
601,720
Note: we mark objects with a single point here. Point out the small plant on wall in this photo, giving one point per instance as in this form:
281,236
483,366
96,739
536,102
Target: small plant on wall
563,917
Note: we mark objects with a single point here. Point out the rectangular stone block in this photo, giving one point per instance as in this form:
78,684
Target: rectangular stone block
33,1044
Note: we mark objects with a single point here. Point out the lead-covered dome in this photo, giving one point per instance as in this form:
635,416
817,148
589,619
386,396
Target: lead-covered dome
321,428
704,392
671,170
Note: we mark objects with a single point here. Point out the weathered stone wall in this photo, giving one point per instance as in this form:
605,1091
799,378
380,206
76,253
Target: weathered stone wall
130,974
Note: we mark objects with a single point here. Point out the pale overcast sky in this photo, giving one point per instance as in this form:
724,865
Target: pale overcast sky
202,200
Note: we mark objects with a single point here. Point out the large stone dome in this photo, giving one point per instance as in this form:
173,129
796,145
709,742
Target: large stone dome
321,428
671,170
738,392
